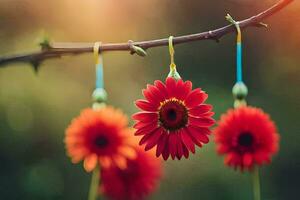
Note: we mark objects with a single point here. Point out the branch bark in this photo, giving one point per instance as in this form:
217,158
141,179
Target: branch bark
56,50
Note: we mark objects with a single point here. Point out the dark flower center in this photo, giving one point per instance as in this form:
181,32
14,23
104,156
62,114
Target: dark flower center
131,173
101,141
245,139
173,114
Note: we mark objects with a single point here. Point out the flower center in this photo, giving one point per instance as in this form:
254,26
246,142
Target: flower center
173,114
131,173
245,139
101,141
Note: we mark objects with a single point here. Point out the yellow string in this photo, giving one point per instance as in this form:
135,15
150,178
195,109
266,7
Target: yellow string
239,34
172,52
96,52
99,65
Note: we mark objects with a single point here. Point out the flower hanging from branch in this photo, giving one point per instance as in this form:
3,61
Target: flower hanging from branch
247,136
174,118
99,136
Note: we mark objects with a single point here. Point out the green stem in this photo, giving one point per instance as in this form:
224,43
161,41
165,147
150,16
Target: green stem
93,192
256,183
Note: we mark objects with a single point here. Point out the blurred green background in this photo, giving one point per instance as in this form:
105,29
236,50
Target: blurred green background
36,109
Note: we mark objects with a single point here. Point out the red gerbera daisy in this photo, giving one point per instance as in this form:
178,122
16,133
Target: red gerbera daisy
99,136
173,118
135,182
247,136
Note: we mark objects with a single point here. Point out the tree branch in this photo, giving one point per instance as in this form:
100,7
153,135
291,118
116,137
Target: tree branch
56,50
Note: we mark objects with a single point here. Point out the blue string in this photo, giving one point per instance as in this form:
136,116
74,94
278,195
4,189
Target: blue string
99,74
239,62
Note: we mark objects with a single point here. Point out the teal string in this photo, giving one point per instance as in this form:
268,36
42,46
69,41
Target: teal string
239,62
99,76
99,73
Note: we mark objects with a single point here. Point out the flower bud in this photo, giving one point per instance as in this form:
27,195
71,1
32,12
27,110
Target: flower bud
239,91
174,74
99,95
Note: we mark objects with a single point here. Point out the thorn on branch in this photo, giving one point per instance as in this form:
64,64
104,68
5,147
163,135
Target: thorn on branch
35,65
217,39
136,49
261,24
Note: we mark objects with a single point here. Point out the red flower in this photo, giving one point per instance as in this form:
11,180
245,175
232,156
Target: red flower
247,137
173,118
135,182
99,136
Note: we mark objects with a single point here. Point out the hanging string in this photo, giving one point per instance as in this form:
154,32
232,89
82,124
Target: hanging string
239,77
172,52
99,94
99,65
239,90
173,72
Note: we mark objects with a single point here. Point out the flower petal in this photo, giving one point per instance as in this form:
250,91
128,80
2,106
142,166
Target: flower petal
166,151
140,124
247,160
183,89
145,105
179,146
120,161
199,136
153,139
185,151
162,88
145,116
208,114
144,139
161,143
171,87
105,162
77,155
128,152
146,129
173,145
231,159
201,121
221,149
156,93
150,97
195,98
197,142
261,157
200,110
187,141
90,162
203,130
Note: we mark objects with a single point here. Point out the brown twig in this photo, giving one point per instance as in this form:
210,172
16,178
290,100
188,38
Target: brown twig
56,50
